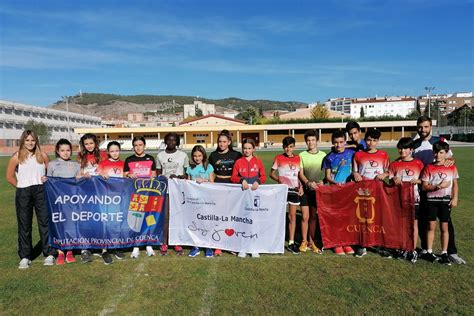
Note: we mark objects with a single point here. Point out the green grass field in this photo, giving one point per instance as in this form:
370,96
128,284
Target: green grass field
274,284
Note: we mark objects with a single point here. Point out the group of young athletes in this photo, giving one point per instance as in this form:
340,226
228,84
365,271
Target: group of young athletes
425,161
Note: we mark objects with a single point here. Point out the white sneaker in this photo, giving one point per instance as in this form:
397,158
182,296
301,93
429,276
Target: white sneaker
135,253
24,263
149,251
48,261
255,255
242,254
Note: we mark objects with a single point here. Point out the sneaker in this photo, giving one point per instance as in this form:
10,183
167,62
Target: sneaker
444,259
149,251
135,253
194,252
70,257
86,256
454,258
314,248
217,252
24,263
361,252
209,253
348,250
414,256
339,251
179,250
431,257
293,249
303,246
255,255
48,261
400,254
242,254
119,254
60,261
107,257
384,253
163,250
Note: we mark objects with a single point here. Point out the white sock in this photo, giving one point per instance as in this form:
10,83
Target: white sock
430,250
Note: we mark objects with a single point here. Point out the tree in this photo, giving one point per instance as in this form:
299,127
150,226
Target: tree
250,115
362,113
319,112
198,112
40,129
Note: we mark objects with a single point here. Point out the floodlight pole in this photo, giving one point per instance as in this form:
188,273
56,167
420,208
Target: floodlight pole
429,89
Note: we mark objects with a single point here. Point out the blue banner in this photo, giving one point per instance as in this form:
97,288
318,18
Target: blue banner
96,213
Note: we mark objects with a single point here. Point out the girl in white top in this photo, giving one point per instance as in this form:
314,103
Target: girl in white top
26,171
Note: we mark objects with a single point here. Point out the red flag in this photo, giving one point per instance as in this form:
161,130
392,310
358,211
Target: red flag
368,213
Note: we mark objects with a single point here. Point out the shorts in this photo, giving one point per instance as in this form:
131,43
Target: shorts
440,209
308,198
293,198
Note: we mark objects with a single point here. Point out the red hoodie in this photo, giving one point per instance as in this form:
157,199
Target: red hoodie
251,171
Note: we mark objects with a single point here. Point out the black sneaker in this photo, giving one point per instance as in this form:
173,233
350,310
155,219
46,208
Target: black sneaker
86,256
107,257
385,253
414,256
400,254
293,249
444,259
119,254
431,257
360,252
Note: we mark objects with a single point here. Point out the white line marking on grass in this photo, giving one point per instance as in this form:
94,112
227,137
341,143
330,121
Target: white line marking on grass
127,286
206,299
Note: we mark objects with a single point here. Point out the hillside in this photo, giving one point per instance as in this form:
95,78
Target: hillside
115,106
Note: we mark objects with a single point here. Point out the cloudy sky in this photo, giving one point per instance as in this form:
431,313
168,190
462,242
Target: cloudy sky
281,50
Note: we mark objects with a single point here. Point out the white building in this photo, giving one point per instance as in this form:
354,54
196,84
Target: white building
387,106
341,105
61,124
206,109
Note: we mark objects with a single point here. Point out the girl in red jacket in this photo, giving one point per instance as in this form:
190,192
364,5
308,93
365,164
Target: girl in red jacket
248,171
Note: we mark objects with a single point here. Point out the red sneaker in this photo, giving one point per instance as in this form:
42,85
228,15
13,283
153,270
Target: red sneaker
179,250
70,257
217,252
339,251
60,259
348,250
163,250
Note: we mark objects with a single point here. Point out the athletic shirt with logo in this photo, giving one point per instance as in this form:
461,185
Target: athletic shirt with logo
311,165
424,149
224,164
340,164
111,168
369,165
434,175
407,171
63,168
288,169
91,163
172,163
140,166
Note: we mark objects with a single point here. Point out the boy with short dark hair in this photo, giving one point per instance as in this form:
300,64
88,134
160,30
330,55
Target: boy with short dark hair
370,164
356,141
288,166
311,176
338,167
408,169
440,183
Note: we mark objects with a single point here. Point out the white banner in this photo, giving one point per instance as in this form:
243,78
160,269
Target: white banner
223,216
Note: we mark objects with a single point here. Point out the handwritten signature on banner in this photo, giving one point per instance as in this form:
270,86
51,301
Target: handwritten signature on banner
216,233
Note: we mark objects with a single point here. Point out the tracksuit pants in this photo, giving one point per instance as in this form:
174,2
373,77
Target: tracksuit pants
26,200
